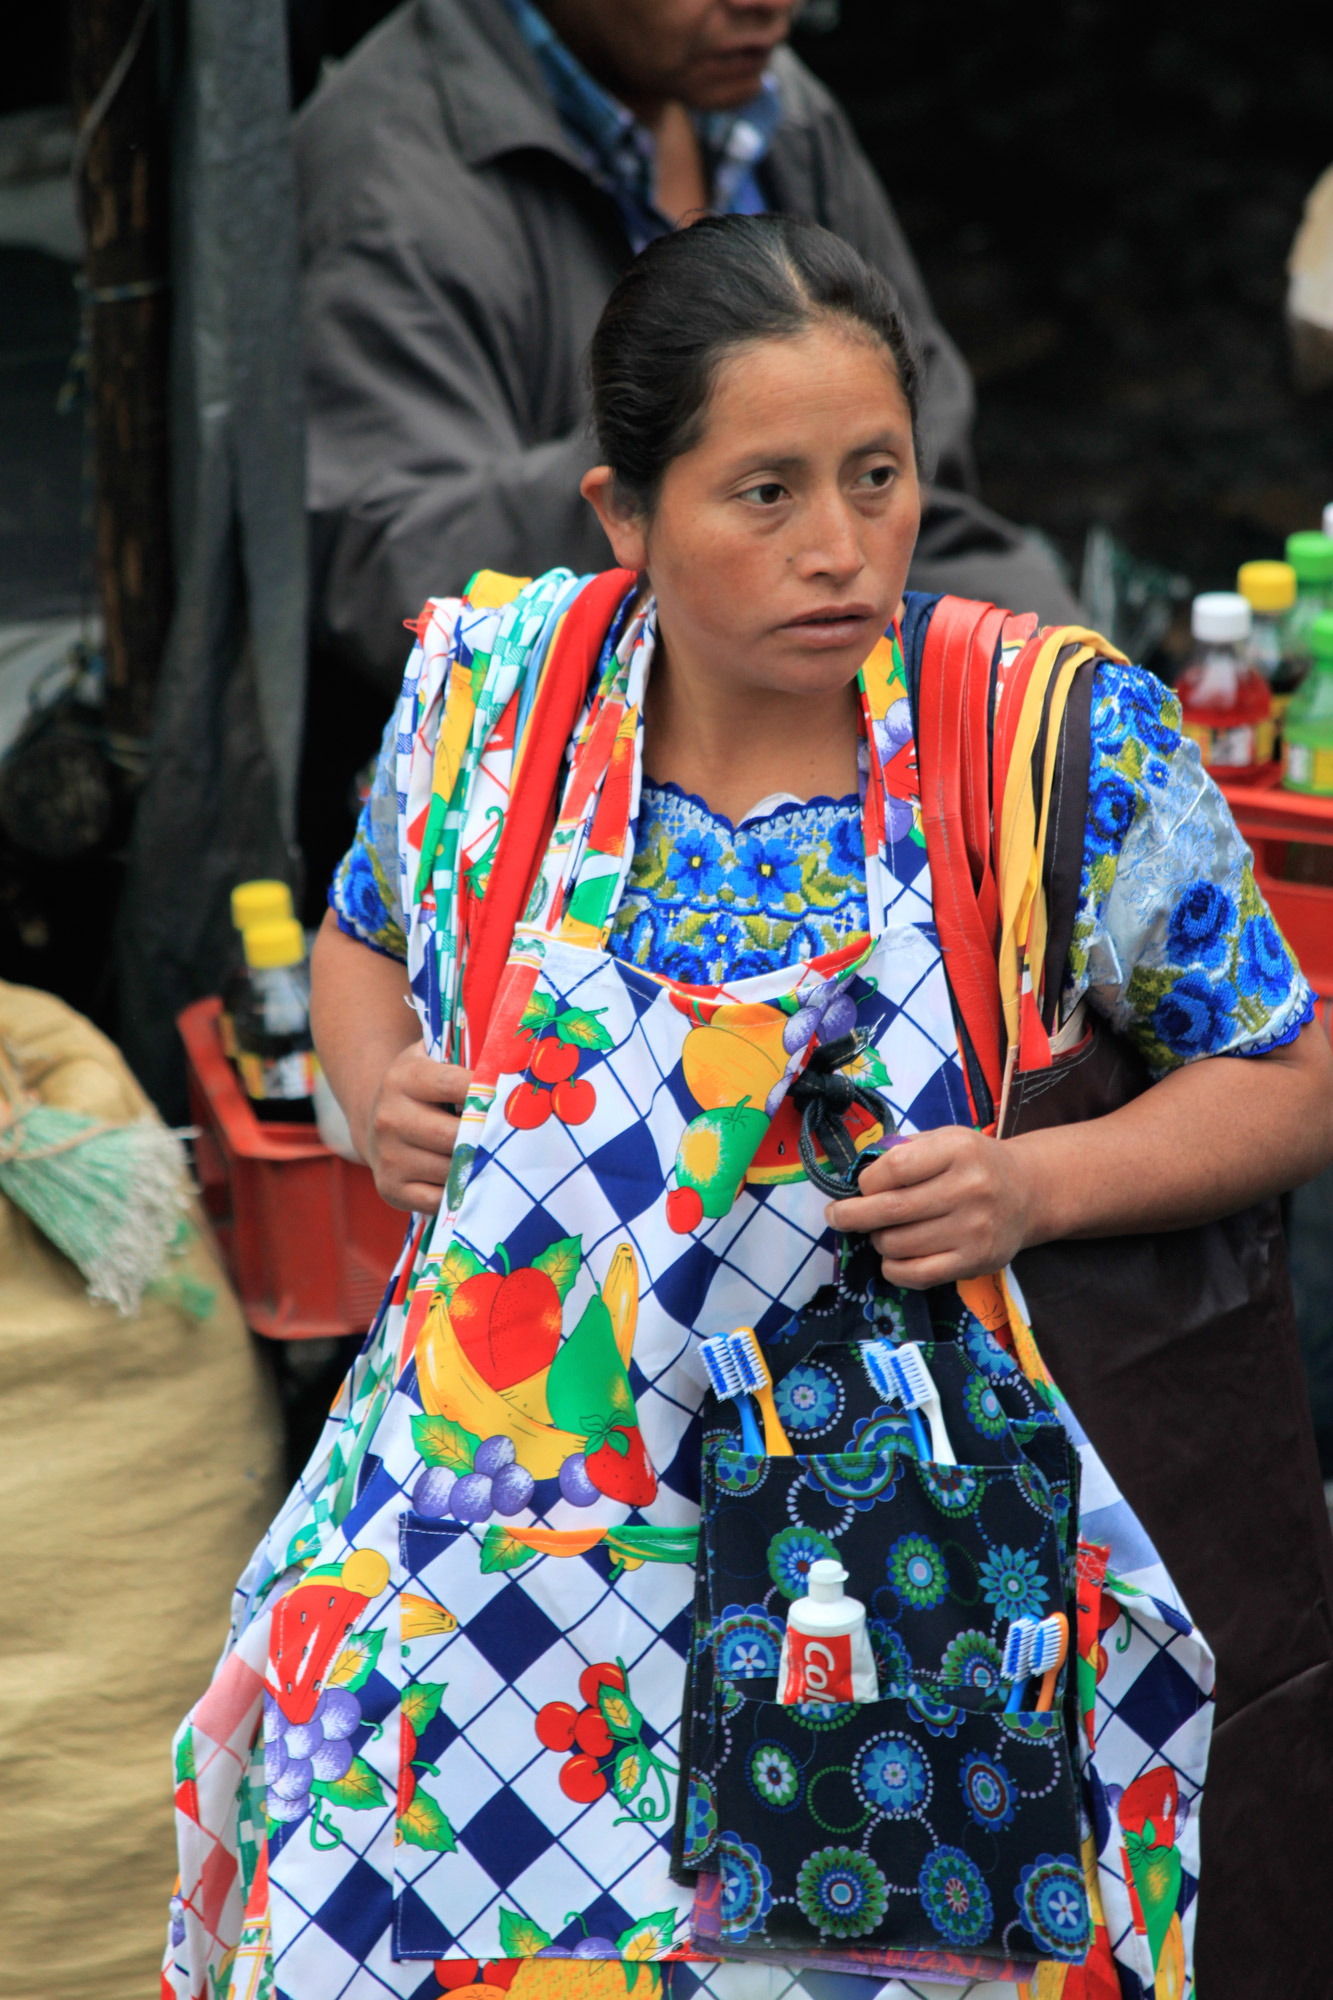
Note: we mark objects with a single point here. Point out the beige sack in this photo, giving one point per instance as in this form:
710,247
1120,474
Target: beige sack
140,1461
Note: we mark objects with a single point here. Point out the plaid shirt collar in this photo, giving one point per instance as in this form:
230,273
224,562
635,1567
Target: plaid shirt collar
619,153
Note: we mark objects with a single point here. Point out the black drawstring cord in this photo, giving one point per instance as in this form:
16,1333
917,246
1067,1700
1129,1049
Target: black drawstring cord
824,1094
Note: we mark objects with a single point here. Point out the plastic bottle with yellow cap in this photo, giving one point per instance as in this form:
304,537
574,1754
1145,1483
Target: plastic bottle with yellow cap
274,1052
258,902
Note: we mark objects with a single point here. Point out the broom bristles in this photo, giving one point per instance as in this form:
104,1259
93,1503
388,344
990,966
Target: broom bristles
110,1197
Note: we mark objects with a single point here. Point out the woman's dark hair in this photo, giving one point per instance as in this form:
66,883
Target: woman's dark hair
690,299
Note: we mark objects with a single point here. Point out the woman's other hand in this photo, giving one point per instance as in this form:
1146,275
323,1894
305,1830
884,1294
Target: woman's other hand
949,1204
413,1129
401,1106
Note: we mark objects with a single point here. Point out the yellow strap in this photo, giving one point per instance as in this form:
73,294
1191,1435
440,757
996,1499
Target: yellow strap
1022,841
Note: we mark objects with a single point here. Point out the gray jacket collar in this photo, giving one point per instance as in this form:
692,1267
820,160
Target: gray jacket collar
495,100
494,97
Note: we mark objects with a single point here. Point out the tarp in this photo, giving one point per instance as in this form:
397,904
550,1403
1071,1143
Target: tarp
218,804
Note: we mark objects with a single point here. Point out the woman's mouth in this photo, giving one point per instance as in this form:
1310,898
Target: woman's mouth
830,624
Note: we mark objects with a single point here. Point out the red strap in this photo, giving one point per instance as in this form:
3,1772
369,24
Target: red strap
955,810
532,807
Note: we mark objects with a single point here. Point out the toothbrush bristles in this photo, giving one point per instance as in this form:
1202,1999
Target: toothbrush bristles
1019,1644
1047,1644
911,1375
723,1370
751,1368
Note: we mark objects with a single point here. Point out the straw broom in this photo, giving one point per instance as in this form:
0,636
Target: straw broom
110,1196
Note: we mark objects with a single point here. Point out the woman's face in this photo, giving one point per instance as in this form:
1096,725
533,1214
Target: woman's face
779,547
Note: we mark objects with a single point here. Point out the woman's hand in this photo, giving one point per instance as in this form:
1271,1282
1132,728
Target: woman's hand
413,1129
949,1204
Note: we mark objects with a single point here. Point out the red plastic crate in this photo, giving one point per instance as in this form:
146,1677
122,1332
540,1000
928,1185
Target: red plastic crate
1270,820
307,1240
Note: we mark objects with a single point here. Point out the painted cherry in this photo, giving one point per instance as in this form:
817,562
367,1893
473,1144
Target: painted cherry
605,1673
574,1103
684,1210
553,1061
529,1106
519,1053
556,1724
591,1733
581,1780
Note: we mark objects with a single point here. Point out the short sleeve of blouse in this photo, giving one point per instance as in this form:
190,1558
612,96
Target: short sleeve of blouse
1173,941
365,895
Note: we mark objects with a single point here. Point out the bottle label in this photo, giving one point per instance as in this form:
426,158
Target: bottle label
1235,749
284,1078
1306,769
819,1668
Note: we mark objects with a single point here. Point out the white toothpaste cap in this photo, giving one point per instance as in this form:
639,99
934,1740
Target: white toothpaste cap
826,1580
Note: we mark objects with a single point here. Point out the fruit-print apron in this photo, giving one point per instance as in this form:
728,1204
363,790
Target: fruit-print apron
469,1625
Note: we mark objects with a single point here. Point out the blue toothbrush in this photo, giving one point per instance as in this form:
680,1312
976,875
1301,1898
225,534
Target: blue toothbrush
724,1372
1016,1666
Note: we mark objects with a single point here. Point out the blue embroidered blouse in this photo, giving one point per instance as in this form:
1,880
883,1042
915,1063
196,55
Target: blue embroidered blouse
1173,942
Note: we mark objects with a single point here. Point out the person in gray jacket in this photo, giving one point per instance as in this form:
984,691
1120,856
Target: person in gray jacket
473,179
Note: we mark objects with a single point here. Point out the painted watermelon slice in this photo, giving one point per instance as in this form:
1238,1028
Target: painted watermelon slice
309,1627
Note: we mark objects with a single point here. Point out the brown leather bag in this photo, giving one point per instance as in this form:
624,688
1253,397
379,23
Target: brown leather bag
1178,1352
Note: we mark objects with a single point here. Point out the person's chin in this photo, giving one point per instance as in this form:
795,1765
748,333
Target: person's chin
723,87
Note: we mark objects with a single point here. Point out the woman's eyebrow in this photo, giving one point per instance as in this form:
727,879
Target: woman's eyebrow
782,461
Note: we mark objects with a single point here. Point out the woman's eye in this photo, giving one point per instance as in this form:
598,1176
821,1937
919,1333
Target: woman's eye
766,494
877,477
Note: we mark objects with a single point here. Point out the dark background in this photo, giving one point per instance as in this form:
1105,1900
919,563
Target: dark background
1102,198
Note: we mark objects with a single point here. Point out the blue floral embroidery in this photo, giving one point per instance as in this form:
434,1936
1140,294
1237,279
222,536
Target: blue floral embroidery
695,863
1194,1014
955,1896
808,1399
1199,925
1012,1581
893,1775
707,902
746,1884
747,1642
988,1791
1054,1902
841,1892
1172,939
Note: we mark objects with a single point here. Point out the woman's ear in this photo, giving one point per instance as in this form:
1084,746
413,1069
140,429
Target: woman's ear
625,530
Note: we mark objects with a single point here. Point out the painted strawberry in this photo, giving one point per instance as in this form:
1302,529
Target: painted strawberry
623,1471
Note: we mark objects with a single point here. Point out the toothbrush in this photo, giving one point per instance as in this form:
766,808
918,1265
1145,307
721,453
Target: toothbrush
755,1376
917,1389
1049,1647
1016,1666
725,1375
878,1357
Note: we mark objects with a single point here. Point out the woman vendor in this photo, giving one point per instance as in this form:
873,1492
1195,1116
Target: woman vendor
639,848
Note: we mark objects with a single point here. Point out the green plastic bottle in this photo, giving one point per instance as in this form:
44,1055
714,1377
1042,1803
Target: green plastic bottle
1307,730
1311,556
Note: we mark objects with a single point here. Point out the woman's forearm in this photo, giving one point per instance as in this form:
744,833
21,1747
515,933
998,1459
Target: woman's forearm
361,1016
1205,1141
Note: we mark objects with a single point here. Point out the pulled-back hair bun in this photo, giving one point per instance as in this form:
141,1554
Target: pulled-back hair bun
693,297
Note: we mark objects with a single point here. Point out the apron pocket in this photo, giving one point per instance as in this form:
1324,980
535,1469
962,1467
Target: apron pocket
542,1673
900,1823
943,1558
